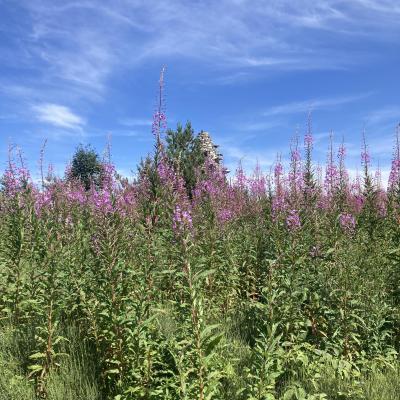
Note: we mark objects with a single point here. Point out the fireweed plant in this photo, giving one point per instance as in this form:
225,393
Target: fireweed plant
270,286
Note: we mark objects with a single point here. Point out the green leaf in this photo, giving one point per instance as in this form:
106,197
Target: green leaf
37,355
35,368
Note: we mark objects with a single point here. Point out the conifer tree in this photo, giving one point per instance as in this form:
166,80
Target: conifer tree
184,152
86,167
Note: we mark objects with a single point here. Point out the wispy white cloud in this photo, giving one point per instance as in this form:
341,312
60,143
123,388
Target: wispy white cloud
138,135
58,115
249,127
387,114
230,78
86,43
381,6
134,122
282,118
312,105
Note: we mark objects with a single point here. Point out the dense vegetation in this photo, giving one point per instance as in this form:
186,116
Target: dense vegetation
188,285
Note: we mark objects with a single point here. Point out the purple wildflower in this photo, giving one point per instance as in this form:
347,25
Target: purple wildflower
224,215
308,140
347,223
394,176
77,194
108,176
293,220
257,183
296,174
341,151
295,155
43,200
278,200
240,178
102,201
365,157
166,172
15,179
181,220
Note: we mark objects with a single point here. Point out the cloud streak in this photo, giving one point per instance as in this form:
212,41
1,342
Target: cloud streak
312,105
134,122
58,115
388,114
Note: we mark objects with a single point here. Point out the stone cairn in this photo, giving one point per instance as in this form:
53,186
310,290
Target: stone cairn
209,149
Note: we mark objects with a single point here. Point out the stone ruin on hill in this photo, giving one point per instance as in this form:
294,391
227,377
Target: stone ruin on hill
210,149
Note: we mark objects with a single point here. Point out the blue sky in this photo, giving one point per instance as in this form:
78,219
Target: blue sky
247,71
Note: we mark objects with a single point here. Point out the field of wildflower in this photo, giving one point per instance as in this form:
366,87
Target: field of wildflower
272,285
